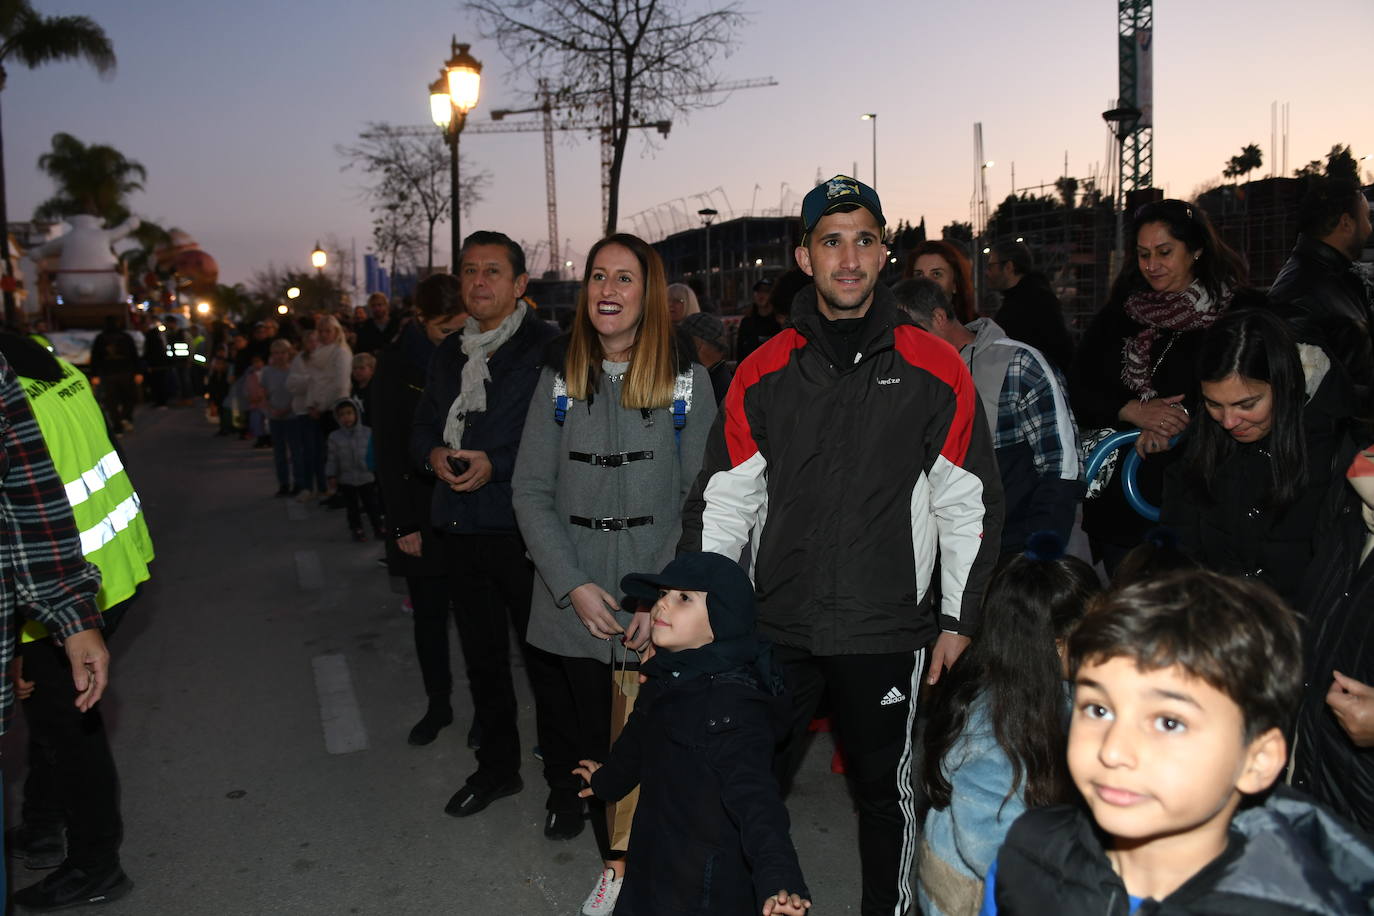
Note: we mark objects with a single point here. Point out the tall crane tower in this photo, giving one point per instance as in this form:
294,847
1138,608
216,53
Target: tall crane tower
1135,69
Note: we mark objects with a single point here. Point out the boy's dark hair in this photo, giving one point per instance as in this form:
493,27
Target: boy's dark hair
1234,634
1018,254
439,294
1013,664
1324,203
514,253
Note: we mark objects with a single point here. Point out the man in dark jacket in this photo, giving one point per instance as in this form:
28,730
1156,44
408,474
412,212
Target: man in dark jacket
1030,310
856,444
114,368
707,335
466,432
1319,286
381,330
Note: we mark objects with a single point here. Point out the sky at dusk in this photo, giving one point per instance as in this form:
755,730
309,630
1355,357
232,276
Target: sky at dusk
236,109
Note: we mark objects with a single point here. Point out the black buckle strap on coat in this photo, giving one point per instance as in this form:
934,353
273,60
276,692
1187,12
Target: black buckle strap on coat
611,524
610,461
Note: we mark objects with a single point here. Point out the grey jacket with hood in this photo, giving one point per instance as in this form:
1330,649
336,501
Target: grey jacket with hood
347,458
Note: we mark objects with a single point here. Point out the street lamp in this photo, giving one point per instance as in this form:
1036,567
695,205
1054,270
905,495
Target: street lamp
873,116
293,293
1121,121
707,214
318,258
451,97
282,309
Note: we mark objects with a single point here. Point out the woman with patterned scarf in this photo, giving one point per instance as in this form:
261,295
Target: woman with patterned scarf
1135,366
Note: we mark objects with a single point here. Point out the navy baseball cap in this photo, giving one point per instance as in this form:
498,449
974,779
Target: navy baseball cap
840,191
729,593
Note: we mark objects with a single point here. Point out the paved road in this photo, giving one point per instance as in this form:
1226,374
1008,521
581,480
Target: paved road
233,804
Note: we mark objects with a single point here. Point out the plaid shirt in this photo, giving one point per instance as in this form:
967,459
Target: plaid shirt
1026,412
42,573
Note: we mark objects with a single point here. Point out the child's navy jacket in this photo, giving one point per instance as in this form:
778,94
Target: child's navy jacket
710,834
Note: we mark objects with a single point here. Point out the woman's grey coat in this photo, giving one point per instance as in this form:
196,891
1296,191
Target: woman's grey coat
549,487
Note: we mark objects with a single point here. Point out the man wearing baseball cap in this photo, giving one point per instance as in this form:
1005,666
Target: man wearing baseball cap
850,449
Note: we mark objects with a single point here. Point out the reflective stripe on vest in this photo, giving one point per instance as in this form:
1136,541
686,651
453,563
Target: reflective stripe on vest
108,514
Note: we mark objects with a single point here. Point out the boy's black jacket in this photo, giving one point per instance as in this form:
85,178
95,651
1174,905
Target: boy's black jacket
710,834
1288,856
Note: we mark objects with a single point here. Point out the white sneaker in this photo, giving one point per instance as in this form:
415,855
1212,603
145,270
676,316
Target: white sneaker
601,901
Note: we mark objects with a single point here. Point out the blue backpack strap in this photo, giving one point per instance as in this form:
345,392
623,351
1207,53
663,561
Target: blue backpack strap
560,400
682,403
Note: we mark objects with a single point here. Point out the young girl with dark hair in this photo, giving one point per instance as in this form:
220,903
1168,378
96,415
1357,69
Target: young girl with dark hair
1262,453
995,741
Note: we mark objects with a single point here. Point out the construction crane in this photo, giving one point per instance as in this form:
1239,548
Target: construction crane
1135,53
546,109
548,123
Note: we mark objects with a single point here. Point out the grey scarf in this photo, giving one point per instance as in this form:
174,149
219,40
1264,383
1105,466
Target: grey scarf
478,346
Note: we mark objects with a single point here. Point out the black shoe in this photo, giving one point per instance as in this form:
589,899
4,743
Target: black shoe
471,799
69,886
39,847
427,729
563,825
475,737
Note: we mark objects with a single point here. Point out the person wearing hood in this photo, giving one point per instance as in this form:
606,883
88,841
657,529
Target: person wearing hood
710,826
1033,429
347,468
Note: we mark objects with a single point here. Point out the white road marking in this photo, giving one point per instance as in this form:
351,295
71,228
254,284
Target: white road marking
344,732
309,573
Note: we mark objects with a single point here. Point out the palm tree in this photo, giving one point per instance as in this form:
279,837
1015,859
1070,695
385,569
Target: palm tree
90,179
1250,158
34,40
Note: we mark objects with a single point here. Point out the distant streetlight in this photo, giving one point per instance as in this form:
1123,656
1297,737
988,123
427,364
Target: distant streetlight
318,258
293,293
707,214
282,309
203,308
873,116
451,97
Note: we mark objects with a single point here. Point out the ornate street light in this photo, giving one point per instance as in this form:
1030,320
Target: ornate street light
451,97
293,292
318,258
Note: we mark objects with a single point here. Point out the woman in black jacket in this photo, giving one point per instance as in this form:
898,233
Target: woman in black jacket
1135,366
411,548
1263,453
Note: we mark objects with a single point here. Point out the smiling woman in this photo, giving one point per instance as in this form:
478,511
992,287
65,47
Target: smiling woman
1262,454
612,443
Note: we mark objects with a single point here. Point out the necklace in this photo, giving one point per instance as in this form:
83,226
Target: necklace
1173,336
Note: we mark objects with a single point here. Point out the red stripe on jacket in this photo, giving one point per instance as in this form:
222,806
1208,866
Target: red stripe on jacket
773,355
925,351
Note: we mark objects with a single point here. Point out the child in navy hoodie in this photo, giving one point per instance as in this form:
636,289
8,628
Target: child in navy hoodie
710,833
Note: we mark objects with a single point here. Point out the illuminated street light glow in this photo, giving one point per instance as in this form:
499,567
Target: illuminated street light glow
282,309
318,257
464,79
293,293
440,104
203,308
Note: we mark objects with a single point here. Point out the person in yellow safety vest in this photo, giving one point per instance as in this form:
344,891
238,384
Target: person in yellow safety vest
72,786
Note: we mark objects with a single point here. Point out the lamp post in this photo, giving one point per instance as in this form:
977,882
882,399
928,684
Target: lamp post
873,116
318,258
707,214
451,97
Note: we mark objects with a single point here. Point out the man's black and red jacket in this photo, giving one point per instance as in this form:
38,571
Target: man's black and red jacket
847,479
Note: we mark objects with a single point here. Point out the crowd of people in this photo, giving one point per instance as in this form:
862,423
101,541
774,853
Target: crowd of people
1059,684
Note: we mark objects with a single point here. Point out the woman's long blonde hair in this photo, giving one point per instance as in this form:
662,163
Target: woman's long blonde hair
649,381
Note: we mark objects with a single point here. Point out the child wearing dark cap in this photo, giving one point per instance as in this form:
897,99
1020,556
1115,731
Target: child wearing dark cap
710,833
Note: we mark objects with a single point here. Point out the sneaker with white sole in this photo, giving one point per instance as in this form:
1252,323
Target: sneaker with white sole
601,901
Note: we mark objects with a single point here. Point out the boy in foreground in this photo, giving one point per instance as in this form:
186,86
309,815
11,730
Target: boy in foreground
710,833
1182,689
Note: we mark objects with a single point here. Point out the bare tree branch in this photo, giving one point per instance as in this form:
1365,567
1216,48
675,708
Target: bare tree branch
631,60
